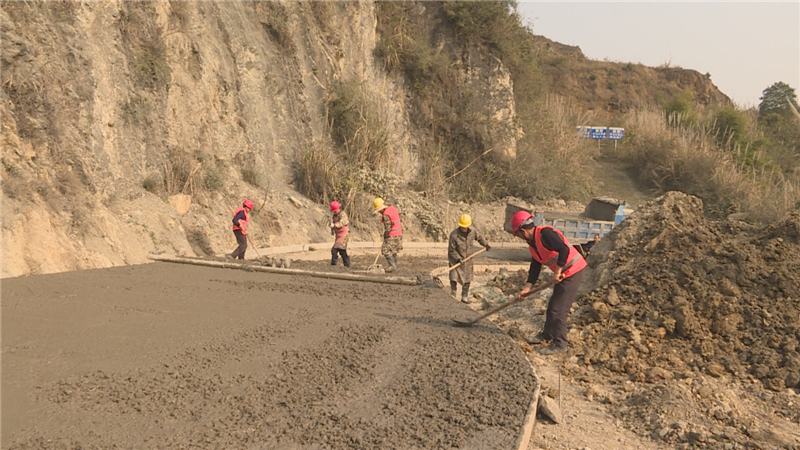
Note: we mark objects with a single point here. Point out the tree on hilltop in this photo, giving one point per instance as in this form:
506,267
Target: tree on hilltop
773,100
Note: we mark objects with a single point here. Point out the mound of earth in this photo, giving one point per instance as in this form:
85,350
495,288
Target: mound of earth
675,293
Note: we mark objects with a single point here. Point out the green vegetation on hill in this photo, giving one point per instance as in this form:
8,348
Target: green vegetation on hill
737,161
683,134
457,162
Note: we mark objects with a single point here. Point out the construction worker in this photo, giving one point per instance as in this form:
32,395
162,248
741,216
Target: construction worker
240,222
392,232
584,249
339,227
587,247
548,246
459,247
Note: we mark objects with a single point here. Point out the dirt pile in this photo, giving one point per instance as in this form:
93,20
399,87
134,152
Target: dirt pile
675,294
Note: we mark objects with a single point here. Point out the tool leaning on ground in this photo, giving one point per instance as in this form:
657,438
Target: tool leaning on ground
468,322
438,274
247,235
375,267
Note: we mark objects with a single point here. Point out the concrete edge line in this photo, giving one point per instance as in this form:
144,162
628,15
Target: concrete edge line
529,423
338,276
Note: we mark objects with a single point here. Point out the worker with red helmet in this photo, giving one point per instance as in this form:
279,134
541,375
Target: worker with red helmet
340,228
549,247
240,221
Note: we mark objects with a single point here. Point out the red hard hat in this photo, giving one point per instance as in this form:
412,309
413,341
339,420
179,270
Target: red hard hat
518,219
335,205
248,204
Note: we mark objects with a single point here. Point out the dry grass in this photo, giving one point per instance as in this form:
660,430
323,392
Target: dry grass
552,158
182,174
669,156
322,177
356,125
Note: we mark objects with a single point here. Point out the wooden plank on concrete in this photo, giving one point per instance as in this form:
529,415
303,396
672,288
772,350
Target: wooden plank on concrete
311,273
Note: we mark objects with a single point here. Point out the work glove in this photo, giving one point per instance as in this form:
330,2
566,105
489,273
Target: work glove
460,261
487,247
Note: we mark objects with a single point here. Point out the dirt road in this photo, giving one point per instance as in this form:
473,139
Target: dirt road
176,356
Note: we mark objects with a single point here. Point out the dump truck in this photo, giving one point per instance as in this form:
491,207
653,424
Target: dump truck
601,215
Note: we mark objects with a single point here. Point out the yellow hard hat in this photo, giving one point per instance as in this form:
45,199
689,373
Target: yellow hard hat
465,221
377,204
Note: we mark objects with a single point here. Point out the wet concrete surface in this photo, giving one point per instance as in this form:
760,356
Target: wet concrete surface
179,356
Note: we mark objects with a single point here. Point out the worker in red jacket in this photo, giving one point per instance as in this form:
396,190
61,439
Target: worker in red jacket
240,222
392,232
340,226
549,247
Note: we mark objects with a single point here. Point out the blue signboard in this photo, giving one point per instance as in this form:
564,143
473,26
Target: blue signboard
616,134
584,131
598,132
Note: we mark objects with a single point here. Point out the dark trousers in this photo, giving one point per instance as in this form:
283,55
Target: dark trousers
555,324
241,239
464,288
335,252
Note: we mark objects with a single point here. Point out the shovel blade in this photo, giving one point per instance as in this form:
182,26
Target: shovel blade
463,322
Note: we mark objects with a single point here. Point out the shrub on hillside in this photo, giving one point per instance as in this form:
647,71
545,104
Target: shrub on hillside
682,107
667,155
356,125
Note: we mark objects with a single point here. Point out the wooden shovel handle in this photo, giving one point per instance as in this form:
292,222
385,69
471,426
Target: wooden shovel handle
506,305
462,261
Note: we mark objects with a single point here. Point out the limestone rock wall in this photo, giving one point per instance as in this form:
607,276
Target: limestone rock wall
135,127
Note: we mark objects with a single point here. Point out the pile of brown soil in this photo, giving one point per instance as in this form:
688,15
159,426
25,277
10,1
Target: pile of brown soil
675,294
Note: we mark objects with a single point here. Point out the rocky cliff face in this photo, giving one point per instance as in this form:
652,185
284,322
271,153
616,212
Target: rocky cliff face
135,127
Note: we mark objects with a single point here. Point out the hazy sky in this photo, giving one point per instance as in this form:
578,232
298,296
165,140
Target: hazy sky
746,47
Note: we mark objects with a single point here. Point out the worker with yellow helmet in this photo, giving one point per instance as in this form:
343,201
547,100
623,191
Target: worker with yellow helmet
459,247
392,232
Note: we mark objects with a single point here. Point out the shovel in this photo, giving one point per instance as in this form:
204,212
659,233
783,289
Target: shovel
437,275
375,267
468,322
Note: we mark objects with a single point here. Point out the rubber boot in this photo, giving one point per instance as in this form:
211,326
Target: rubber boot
453,286
392,260
345,258
465,293
334,256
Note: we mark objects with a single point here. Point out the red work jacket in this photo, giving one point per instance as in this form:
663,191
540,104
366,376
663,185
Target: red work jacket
575,262
241,226
394,218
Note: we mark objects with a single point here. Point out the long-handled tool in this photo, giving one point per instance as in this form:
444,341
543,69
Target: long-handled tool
458,264
436,276
375,267
468,322
247,235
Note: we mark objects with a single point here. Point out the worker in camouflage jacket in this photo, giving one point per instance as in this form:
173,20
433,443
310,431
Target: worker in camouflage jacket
458,249
340,228
392,232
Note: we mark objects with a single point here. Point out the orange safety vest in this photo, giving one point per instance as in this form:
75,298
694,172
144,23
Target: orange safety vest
575,262
246,219
394,218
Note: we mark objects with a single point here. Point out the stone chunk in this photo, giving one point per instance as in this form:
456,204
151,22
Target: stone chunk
549,407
